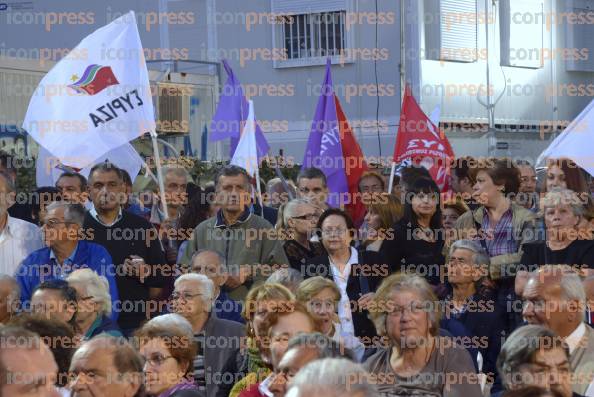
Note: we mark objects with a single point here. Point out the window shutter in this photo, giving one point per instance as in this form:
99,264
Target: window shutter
451,30
288,7
579,36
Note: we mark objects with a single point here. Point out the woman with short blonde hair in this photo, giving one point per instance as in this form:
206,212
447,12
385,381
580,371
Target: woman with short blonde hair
321,297
259,302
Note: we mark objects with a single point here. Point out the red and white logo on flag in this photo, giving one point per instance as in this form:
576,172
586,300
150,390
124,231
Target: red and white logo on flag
421,141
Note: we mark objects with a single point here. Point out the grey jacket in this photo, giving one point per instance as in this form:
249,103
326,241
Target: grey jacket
223,339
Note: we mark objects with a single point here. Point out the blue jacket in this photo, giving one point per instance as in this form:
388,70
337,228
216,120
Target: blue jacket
227,308
40,266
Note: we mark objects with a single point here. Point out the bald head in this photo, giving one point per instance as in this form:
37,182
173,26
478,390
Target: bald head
554,297
114,362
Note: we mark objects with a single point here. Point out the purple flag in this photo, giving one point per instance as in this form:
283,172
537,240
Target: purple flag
324,148
231,114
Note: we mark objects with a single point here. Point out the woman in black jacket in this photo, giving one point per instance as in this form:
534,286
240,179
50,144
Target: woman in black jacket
356,273
418,237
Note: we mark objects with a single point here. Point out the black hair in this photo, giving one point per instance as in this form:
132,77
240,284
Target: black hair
231,170
337,211
312,173
66,292
107,167
43,195
81,179
426,186
195,212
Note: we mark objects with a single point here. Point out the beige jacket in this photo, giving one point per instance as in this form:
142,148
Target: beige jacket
524,231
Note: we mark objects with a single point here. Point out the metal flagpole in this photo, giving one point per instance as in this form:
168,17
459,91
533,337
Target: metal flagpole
159,173
390,185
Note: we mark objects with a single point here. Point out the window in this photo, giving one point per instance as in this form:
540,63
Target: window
314,35
451,30
307,32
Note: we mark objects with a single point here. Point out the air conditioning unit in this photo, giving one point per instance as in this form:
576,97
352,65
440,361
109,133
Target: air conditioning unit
173,108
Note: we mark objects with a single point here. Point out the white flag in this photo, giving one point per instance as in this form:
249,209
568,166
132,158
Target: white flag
95,99
49,168
575,142
246,154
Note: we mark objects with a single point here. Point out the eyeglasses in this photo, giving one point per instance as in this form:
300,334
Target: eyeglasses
413,308
184,296
156,360
333,232
305,217
52,223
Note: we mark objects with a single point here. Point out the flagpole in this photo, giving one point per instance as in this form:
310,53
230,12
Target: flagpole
159,173
390,185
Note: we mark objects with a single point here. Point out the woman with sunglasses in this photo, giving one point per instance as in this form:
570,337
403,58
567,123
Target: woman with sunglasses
297,220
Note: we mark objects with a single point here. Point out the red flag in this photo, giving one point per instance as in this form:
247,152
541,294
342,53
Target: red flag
421,141
355,164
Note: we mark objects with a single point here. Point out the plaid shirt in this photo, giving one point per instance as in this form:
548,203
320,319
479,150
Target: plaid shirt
501,236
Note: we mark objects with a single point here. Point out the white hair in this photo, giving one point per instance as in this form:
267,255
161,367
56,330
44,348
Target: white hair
95,286
570,283
332,377
172,320
204,281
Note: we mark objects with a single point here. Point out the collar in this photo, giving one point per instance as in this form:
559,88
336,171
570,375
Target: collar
95,216
93,327
574,338
10,224
352,260
264,386
220,220
67,261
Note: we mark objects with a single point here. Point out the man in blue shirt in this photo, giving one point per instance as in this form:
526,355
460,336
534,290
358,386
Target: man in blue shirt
66,250
212,264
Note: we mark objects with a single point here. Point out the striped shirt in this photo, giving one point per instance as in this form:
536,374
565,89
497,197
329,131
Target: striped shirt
18,239
199,368
501,239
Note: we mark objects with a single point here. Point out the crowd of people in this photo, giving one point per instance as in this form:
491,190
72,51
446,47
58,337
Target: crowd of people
111,290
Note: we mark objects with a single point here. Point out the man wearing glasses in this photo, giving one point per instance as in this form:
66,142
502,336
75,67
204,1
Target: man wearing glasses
218,340
66,250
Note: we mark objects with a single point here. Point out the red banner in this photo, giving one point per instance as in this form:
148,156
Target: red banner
421,141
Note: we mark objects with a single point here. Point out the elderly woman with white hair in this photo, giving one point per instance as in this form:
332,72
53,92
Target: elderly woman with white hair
94,304
417,360
566,244
297,219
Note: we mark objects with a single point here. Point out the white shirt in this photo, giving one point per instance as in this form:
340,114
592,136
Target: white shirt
351,342
344,305
573,339
18,239
95,215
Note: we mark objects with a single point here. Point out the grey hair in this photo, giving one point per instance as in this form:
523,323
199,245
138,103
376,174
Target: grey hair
174,320
15,290
95,286
206,283
291,206
177,171
73,213
223,263
559,196
572,287
323,345
332,377
479,255
289,277
520,347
